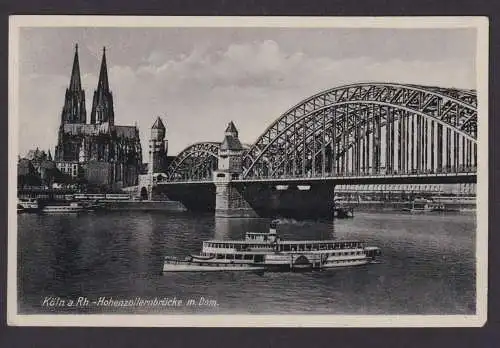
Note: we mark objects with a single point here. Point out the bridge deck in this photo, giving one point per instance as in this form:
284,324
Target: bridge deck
465,177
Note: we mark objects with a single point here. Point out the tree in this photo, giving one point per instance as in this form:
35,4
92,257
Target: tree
29,179
62,178
80,180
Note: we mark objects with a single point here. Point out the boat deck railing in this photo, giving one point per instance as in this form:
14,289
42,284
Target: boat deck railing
221,241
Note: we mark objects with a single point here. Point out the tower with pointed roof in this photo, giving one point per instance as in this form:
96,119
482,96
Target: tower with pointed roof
230,151
102,104
230,200
158,147
74,102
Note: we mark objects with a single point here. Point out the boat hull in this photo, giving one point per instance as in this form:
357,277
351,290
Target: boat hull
62,211
188,266
28,210
349,263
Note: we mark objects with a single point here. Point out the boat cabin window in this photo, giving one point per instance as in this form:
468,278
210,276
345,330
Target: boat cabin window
248,257
220,256
259,258
238,256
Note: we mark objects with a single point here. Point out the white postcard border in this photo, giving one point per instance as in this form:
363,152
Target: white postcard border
206,320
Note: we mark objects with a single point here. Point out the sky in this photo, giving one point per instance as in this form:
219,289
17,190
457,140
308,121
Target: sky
199,79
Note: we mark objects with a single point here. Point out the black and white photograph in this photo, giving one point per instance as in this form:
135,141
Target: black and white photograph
248,171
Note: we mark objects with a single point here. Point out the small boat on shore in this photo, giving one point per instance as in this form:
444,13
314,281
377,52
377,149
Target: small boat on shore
268,252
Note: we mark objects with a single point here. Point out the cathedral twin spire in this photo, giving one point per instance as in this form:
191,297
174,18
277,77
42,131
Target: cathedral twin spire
74,101
75,83
102,105
74,110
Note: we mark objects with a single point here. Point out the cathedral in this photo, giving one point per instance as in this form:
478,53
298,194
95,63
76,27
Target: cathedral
102,153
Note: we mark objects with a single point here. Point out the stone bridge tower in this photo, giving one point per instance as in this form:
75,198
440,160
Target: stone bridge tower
229,200
230,153
158,147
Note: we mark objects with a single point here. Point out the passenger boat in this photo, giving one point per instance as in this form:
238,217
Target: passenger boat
27,205
72,207
427,206
268,252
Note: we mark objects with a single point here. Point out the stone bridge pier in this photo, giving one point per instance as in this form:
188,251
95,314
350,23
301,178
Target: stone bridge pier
230,200
298,201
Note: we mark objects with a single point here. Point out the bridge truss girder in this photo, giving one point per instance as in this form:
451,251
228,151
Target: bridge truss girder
349,123
196,162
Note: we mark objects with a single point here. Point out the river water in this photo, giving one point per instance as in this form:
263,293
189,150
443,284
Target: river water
110,260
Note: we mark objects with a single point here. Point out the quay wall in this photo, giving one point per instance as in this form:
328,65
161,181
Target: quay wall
172,206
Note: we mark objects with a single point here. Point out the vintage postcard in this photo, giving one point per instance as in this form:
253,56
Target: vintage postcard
248,171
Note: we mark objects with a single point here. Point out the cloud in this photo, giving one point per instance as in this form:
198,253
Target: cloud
40,108
250,83
264,64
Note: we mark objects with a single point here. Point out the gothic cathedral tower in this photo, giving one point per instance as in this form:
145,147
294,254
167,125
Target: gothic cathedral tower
73,112
102,105
158,147
74,102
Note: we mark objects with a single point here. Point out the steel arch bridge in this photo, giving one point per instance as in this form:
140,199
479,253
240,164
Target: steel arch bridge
356,130
195,162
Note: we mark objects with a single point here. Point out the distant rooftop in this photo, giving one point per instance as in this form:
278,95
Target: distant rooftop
158,124
231,143
231,129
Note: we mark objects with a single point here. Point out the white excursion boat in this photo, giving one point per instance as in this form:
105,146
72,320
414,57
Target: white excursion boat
27,205
267,252
72,207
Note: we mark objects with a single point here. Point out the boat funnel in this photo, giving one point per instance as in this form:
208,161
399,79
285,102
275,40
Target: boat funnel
273,231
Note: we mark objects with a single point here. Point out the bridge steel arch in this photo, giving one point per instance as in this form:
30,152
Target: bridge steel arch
370,128
196,162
